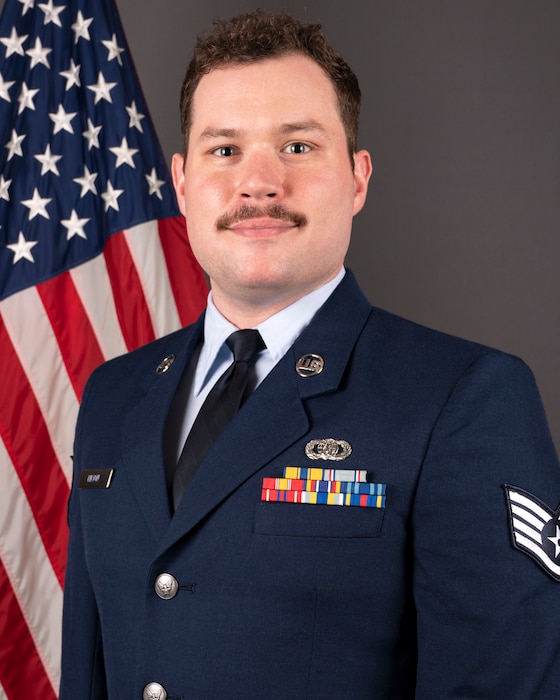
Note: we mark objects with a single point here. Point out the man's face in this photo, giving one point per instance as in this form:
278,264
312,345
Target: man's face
267,186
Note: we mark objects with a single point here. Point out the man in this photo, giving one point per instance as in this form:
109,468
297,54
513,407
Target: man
376,519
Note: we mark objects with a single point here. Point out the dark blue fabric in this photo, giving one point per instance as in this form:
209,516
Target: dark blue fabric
427,598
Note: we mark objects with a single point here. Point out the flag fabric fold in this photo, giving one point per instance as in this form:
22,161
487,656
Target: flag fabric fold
94,261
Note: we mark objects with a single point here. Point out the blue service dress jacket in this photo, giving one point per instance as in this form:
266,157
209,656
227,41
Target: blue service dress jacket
437,578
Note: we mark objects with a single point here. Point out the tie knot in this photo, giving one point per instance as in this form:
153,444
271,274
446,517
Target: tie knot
245,344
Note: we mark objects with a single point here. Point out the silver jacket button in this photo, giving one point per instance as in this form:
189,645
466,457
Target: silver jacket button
154,691
166,586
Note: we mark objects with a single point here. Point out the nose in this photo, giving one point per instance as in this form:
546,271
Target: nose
261,176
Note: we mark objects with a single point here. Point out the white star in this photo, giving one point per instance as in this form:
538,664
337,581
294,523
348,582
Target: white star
72,75
556,541
26,5
14,145
124,154
22,249
135,117
81,27
155,184
62,120
51,12
4,187
110,197
48,161
87,182
92,135
37,205
102,89
5,85
74,225
14,44
25,98
114,49
38,54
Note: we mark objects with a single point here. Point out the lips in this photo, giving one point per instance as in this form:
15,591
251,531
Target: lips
261,228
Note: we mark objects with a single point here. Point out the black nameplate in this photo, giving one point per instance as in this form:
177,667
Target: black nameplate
95,479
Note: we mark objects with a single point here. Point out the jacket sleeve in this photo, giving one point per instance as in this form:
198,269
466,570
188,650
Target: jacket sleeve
488,614
83,673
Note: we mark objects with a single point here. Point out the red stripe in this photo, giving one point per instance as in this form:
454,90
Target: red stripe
22,673
28,443
132,310
185,276
77,342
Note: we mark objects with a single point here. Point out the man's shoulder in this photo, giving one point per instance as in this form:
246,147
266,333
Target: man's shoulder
154,357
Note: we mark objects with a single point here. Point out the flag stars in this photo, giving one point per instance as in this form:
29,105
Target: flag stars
38,54
26,5
81,27
74,226
114,50
25,98
124,154
102,89
110,197
4,187
62,120
72,75
37,205
22,249
48,161
14,145
135,118
87,182
155,185
51,12
5,85
14,43
92,135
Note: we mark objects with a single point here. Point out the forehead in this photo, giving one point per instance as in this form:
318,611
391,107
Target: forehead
292,87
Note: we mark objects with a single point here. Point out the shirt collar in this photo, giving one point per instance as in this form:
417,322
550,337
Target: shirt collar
278,331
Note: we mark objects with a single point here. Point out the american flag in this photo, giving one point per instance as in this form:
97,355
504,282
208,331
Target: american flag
94,261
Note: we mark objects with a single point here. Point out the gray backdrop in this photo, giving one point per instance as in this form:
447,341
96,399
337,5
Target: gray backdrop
462,117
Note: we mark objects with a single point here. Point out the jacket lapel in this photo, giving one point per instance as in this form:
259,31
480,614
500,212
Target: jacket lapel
143,427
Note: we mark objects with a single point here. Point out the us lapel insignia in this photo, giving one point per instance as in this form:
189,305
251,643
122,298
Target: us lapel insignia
310,365
535,529
328,448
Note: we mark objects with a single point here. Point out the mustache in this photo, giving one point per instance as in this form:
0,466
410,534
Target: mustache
248,211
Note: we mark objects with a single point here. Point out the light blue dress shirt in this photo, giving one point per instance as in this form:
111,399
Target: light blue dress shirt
278,332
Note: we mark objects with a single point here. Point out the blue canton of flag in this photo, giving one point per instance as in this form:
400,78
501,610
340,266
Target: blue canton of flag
79,158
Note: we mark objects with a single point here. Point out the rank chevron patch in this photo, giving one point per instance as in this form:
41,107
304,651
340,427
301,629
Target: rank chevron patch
535,529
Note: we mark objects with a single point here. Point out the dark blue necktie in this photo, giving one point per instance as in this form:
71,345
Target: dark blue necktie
224,399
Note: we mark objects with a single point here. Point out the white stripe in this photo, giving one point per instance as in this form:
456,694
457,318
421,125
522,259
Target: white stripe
94,289
146,251
29,569
520,526
528,517
530,505
538,552
38,352
3,695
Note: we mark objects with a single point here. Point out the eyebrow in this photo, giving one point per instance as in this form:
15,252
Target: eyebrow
309,126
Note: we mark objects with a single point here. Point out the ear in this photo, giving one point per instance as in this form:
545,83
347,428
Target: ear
178,173
362,173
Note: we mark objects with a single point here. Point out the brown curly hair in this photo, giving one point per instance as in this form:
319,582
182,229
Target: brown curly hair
259,35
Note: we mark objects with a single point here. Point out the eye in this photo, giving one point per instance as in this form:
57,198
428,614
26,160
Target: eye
224,151
297,148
